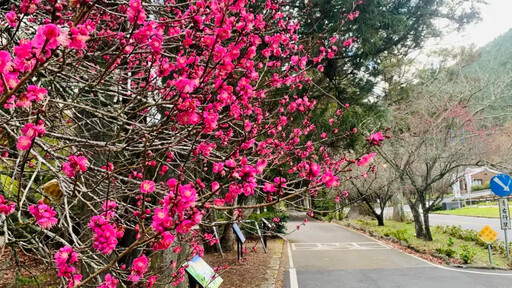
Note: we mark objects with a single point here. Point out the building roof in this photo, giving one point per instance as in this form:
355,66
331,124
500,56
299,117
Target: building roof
472,171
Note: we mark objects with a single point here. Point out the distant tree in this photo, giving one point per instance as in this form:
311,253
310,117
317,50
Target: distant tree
375,189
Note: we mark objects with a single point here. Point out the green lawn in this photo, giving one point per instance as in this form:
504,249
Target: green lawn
482,211
405,230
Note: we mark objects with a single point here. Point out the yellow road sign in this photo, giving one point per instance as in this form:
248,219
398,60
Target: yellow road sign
487,234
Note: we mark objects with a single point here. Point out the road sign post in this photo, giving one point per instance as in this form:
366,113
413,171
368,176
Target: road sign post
500,185
505,221
490,253
488,236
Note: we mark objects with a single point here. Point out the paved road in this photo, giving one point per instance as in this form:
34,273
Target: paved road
328,255
475,223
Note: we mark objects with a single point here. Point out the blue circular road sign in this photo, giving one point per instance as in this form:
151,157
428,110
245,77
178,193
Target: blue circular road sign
500,185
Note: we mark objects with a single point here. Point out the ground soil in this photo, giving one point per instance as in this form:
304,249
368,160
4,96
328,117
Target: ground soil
251,272
28,271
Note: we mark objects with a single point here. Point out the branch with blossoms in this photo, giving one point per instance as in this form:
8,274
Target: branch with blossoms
144,117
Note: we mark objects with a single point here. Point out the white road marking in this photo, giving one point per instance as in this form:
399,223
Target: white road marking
430,263
338,246
294,283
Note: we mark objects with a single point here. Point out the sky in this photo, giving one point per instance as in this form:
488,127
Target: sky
496,20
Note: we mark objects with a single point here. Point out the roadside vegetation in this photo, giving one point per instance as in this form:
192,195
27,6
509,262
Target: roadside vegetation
451,243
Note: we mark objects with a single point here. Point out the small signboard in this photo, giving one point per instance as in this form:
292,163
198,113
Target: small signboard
504,214
238,233
203,273
487,234
500,185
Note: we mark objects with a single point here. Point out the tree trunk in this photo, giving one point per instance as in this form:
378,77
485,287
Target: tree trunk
418,221
380,219
227,241
398,207
426,223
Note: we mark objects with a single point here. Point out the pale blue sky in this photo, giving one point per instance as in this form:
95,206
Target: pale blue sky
497,19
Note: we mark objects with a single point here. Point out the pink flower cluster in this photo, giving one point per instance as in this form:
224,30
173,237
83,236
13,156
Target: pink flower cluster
375,139
139,267
6,207
329,179
110,282
64,260
76,164
179,203
136,13
30,131
105,232
44,214
34,94
365,159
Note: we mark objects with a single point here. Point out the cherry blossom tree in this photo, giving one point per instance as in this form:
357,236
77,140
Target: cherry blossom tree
438,130
125,124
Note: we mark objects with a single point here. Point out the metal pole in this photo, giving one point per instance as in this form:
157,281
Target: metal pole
506,245
490,253
218,241
259,233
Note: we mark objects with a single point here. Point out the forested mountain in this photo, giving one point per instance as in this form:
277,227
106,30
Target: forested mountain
496,56
494,68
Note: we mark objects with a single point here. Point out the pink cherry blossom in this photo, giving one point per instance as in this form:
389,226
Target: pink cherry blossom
105,233
76,164
365,159
64,260
165,242
110,282
44,214
269,187
139,267
6,207
24,143
218,167
147,186
188,194
136,13
375,139
5,60
152,281
11,18
329,179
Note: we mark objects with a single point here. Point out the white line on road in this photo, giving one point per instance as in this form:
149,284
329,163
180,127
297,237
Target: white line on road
294,283
337,246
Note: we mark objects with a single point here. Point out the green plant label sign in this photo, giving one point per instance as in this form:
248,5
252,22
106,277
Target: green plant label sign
203,273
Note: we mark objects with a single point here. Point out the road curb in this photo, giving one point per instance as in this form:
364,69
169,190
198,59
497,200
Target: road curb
276,266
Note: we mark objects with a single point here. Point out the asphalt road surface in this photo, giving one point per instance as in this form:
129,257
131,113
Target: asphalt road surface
328,255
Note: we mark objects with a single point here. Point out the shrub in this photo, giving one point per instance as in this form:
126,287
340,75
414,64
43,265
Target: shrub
468,253
400,234
269,216
480,187
448,250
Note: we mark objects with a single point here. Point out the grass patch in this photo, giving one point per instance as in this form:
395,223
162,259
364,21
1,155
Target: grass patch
463,250
482,211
